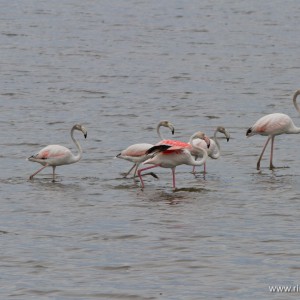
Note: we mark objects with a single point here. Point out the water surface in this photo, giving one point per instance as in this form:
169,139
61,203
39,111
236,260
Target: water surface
119,68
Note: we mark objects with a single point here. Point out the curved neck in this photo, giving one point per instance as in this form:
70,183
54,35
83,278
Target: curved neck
204,152
158,132
79,155
191,140
216,140
294,101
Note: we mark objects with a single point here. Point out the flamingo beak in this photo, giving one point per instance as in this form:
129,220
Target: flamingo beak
249,131
172,128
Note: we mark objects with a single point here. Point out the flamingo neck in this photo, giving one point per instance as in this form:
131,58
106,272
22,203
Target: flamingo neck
295,102
216,139
294,130
204,154
158,132
79,155
191,140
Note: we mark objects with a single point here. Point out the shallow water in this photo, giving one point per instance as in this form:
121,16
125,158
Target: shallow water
119,68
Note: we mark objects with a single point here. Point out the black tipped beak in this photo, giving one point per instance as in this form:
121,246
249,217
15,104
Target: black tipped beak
248,131
85,135
173,131
227,139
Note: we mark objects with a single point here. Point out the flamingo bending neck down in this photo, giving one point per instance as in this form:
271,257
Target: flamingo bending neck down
272,125
174,154
136,153
56,155
214,150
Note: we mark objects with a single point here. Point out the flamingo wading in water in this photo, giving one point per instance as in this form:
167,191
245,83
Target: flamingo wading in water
173,154
57,155
214,148
272,125
136,153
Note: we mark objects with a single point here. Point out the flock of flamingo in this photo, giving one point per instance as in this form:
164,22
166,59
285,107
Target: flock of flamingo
168,153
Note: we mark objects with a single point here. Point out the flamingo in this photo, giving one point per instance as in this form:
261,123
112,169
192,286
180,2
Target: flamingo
214,148
57,155
271,125
173,154
136,153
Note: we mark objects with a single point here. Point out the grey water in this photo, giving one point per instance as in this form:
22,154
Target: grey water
119,67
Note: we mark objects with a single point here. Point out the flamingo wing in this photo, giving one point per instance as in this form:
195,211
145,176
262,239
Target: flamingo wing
136,150
52,152
274,124
174,143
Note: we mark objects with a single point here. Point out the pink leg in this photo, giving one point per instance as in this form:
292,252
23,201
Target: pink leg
271,157
53,178
174,183
39,170
194,167
144,169
262,153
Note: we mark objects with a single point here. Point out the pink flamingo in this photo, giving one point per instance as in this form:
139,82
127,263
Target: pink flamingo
272,125
214,150
136,153
56,155
173,154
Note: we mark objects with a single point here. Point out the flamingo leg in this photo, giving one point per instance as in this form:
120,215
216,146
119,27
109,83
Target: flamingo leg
135,170
262,153
194,167
126,174
39,170
271,156
53,174
174,183
144,169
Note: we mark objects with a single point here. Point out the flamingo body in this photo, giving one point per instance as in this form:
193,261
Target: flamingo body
57,155
136,153
172,158
214,150
272,125
53,155
173,154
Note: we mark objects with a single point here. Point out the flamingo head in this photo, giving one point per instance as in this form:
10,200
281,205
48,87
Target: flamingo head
202,136
81,128
224,131
167,124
